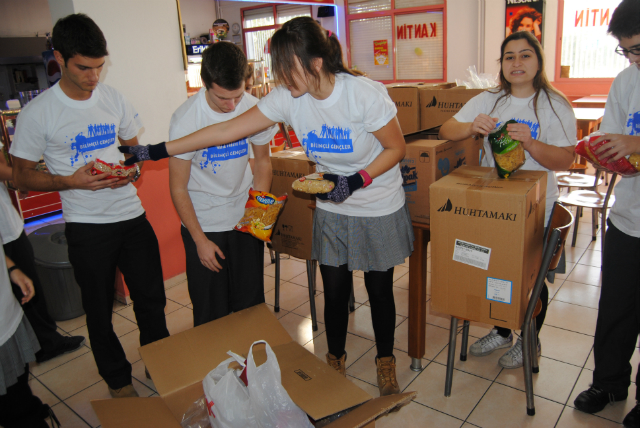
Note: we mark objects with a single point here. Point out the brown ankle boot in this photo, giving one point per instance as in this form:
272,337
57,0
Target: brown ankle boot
387,382
338,363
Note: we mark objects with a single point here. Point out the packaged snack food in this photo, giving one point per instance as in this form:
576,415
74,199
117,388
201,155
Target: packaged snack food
114,170
260,214
622,166
507,152
313,183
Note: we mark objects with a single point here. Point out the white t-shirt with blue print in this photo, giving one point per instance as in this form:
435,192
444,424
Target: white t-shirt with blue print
559,131
220,175
70,134
622,116
336,134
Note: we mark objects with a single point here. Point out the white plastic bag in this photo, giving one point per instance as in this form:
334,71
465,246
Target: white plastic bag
478,81
270,401
227,397
264,403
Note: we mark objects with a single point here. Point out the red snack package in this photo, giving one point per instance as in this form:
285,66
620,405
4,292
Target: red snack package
260,214
621,166
114,170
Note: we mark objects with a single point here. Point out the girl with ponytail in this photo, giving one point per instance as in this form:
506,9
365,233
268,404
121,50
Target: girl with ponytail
347,125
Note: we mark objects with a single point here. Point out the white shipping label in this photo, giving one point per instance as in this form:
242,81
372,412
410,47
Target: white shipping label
471,254
499,290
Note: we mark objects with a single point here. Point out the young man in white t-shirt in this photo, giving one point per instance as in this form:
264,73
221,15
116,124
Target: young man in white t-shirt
210,188
76,122
617,328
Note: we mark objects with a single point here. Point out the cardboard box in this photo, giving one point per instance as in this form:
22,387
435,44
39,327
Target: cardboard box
406,96
486,243
439,104
427,161
178,364
293,230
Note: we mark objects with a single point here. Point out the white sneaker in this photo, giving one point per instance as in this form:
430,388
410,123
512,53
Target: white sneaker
512,359
490,343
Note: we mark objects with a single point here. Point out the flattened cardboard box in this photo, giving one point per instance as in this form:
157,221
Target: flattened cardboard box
178,364
407,100
427,161
438,105
293,230
486,243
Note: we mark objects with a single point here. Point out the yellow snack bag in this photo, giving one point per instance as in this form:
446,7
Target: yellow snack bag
260,214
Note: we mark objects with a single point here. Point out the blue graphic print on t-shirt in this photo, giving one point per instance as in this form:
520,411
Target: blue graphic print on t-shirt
633,124
331,140
212,156
98,136
533,126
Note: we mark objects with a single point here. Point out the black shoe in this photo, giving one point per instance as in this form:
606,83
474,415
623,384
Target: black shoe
632,420
67,345
595,399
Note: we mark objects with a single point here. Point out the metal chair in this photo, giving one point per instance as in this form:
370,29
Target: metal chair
598,203
555,236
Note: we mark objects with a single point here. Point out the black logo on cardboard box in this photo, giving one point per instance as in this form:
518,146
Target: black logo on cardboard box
432,103
471,212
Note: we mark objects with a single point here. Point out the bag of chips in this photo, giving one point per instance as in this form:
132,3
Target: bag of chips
507,152
313,183
260,214
114,170
623,166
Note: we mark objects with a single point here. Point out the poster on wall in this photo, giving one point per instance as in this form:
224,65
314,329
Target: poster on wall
524,15
380,52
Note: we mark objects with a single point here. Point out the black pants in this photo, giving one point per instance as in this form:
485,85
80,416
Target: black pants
618,322
19,408
238,285
337,289
21,252
95,250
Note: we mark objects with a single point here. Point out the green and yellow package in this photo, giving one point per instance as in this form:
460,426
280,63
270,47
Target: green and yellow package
507,152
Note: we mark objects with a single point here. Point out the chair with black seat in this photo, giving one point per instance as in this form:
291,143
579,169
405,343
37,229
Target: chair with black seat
554,237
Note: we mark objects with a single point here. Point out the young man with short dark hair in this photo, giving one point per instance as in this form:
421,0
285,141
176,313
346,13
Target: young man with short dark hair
76,122
619,308
210,187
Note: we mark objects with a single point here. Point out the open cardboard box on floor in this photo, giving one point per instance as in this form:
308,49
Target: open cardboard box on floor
486,243
178,364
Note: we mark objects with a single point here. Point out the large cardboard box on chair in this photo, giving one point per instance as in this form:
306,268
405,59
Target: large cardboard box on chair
293,230
427,161
178,364
486,243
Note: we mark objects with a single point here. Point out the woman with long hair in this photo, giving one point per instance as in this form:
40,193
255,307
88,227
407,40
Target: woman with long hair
547,130
348,127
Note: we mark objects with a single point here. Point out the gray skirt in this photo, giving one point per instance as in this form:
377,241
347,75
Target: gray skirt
16,353
363,243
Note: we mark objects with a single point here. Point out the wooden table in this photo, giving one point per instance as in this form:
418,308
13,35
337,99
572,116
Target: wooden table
418,294
592,101
588,120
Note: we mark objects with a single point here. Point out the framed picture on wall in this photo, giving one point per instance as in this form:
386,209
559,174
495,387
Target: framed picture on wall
524,15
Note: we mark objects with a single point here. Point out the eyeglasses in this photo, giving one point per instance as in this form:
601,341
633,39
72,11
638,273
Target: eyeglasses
625,52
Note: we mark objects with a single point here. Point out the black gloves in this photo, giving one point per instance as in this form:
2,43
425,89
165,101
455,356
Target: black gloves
344,187
152,152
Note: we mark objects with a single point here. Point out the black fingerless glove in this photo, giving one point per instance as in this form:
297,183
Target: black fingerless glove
140,153
344,187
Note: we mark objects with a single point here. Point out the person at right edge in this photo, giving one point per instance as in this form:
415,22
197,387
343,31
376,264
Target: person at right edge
348,127
547,130
618,321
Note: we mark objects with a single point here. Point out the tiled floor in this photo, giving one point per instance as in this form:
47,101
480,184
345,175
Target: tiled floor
484,395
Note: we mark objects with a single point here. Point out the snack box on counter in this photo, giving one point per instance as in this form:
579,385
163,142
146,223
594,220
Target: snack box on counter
486,243
178,364
426,161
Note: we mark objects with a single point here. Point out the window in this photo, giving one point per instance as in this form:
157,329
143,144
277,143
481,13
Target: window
259,24
393,40
586,50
